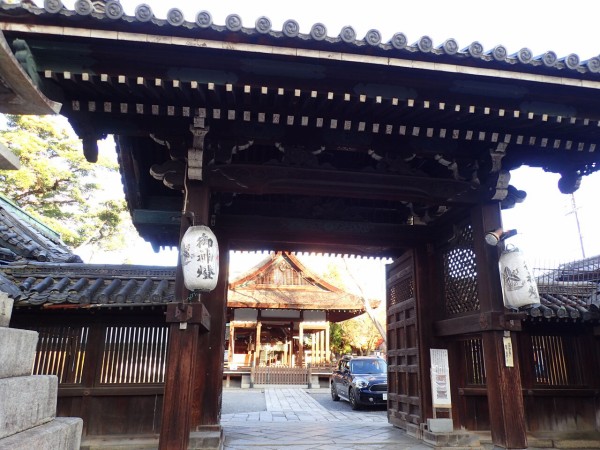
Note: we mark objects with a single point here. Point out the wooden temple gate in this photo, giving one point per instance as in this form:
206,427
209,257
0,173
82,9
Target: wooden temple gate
281,141
465,303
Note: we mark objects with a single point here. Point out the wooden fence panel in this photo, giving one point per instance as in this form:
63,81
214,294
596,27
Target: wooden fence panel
281,375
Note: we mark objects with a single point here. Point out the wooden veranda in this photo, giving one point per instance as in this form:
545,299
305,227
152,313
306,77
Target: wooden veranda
290,142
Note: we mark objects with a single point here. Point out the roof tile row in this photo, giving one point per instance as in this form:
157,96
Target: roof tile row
112,10
88,284
22,239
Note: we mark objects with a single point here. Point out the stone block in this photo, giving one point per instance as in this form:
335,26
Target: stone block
207,440
26,402
6,305
246,383
440,425
535,442
119,443
454,439
572,444
17,351
63,433
314,382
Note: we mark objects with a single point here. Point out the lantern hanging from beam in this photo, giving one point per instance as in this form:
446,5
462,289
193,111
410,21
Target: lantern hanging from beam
200,259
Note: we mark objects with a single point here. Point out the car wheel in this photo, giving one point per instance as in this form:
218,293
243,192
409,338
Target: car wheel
353,400
334,396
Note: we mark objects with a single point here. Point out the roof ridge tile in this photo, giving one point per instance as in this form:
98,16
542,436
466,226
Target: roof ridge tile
263,26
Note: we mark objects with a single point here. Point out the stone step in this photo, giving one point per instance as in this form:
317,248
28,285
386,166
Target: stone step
120,443
205,440
460,448
17,351
62,433
454,439
208,440
26,402
584,440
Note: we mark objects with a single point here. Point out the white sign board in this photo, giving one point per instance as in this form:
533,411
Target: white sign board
440,378
508,352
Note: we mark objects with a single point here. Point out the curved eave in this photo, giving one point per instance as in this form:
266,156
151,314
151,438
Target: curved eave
19,94
316,306
282,299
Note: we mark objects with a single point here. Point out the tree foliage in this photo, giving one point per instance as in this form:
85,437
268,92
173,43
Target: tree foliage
56,183
337,340
360,334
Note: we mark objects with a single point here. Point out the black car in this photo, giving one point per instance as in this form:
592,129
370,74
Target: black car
361,380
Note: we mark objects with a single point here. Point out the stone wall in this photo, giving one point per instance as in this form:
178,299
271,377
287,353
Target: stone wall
28,402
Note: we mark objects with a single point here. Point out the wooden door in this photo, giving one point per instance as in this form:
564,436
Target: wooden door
404,396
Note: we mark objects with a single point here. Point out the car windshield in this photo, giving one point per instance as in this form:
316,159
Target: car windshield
368,366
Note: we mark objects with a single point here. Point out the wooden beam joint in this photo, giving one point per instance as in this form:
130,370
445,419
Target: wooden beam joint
189,313
476,323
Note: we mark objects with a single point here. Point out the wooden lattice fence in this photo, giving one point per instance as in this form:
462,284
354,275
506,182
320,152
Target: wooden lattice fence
280,375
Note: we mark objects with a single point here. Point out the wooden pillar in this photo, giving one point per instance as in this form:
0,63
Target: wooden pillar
284,360
327,349
315,355
428,308
505,397
208,388
291,349
231,349
300,360
314,347
92,367
257,345
322,341
182,346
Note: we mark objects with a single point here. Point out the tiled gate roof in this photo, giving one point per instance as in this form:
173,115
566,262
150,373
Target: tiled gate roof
90,284
22,237
264,31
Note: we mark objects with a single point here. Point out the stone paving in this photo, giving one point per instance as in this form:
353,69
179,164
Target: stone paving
294,421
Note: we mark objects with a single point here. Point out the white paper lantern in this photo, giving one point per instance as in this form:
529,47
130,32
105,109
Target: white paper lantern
518,282
200,259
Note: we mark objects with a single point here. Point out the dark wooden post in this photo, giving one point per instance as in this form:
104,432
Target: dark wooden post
300,360
183,345
208,389
505,397
427,311
92,367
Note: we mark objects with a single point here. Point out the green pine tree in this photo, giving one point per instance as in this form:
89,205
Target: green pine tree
56,184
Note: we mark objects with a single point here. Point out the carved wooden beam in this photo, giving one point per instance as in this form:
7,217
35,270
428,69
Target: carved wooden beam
476,323
253,232
196,152
262,179
327,236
